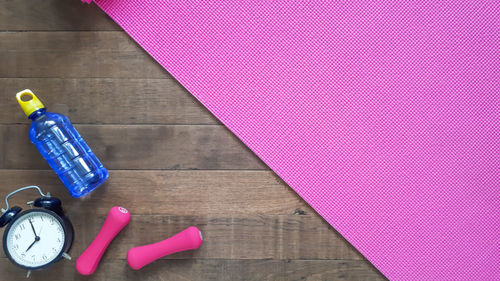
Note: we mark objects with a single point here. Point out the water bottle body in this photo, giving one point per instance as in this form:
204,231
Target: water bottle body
67,153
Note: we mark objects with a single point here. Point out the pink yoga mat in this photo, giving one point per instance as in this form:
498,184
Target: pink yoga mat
382,115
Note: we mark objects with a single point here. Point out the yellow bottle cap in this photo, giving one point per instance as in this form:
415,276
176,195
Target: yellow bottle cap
28,102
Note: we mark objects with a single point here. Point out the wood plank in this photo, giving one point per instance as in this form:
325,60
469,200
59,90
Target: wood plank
243,214
227,237
234,237
107,101
174,193
140,147
75,54
53,15
218,270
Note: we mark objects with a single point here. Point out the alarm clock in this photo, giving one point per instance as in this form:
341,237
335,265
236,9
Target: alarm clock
38,237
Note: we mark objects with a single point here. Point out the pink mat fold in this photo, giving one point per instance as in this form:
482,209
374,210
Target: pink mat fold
382,115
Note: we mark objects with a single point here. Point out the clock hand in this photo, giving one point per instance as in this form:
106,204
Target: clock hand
40,231
33,228
30,246
36,240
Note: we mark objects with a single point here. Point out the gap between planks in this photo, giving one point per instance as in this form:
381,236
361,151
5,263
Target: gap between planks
215,269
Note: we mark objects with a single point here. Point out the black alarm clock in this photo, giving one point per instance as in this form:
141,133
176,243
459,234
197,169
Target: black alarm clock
38,237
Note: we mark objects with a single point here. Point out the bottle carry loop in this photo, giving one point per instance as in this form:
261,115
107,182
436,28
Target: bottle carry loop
28,102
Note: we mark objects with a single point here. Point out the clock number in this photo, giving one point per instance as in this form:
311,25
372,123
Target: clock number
16,246
44,257
22,227
33,256
23,255
41,218
52,221
17,236
59,240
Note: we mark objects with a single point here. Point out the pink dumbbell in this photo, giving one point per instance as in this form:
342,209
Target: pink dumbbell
188,239
116,220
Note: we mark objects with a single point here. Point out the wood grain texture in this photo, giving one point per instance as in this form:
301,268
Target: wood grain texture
54,15
172,163
75,55
243,214
107,101
140,147
235,237
208,270
173,193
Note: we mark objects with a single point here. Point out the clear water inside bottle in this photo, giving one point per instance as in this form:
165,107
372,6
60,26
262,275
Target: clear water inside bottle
66,152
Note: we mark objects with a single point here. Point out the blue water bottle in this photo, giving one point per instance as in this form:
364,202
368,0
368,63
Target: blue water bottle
62,147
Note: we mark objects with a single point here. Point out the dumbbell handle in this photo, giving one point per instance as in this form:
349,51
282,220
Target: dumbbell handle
116,220
188,239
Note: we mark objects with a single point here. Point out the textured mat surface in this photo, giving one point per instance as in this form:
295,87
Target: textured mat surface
382,115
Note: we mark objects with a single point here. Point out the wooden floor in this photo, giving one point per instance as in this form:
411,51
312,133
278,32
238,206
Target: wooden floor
172,164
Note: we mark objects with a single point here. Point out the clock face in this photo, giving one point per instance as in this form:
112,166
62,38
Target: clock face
35,239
